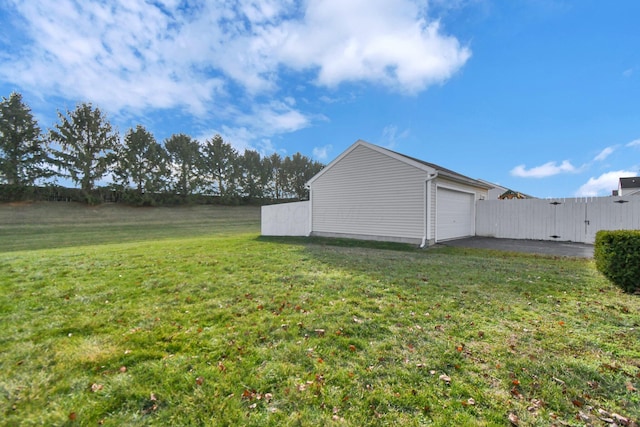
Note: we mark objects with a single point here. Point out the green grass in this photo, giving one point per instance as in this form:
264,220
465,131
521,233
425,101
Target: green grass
228,328
55,225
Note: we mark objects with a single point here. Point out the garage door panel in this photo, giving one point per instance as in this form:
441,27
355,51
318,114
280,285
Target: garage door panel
454,210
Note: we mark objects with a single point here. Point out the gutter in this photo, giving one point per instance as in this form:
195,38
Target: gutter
427,193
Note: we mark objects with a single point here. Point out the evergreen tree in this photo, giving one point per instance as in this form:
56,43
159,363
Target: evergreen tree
23,154
298,170
220,166
87,145
142,162
251,180
276,177
186,163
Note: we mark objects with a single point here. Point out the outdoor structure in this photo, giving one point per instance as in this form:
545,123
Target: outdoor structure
370,192
567,220
629,186
510,195
499,192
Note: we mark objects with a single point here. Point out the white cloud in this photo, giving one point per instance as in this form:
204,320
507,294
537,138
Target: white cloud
252,130
142,54
277,117
391,136
221,59
381,41
602,185
604,154
543,171
122,56
321,153
634,143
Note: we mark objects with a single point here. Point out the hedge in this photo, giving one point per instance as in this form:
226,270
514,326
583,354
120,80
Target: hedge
617,256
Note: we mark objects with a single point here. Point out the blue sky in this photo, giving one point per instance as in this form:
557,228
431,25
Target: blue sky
541,96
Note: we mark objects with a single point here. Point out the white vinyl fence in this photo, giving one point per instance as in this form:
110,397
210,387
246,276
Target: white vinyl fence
574,219
287,219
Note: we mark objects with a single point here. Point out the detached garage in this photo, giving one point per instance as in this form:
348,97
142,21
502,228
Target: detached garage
370,192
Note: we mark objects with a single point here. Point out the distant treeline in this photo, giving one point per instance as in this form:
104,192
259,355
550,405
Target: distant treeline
83,148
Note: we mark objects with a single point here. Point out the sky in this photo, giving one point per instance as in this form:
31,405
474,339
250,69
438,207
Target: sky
539,96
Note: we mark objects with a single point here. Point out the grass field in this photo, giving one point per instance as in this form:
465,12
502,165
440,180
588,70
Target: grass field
186,316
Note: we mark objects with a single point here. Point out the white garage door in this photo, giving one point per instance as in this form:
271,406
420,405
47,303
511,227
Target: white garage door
454,214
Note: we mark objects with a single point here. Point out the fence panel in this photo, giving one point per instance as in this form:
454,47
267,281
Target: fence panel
287,219
571,219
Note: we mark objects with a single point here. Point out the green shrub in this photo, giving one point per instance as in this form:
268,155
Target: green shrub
617,256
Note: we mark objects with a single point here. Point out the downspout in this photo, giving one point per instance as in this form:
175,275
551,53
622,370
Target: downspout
427,196
310,229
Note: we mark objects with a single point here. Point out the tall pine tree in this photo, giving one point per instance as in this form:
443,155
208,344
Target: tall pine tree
87,145
142,163
220,167
23,154
186,163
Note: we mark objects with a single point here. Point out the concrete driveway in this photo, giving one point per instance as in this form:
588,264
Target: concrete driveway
566,249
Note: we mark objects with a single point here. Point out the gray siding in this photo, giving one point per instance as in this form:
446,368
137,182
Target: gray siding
368,193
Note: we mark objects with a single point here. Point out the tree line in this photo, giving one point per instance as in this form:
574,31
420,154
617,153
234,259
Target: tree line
84,148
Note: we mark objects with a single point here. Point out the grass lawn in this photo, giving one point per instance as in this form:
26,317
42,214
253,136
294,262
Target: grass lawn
186,316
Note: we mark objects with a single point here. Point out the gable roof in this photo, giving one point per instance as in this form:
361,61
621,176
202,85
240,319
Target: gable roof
506,191
630,182
430,168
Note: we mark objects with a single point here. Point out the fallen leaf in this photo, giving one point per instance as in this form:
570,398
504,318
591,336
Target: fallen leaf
352,347
72,416
200,380
445,378
96,387
620,419
123,369
630,387
513,419
583,417
535,405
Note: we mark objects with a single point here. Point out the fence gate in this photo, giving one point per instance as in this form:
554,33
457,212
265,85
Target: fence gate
572,219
